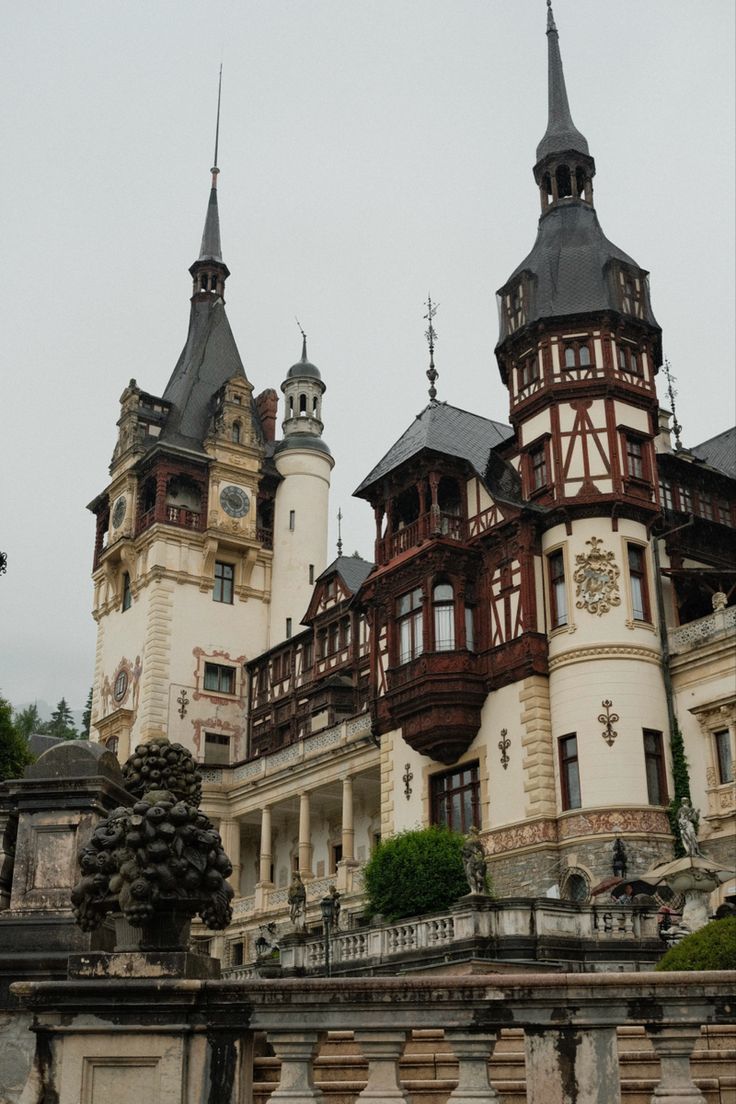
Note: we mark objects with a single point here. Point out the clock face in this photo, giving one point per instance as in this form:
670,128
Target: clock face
234,501
118,512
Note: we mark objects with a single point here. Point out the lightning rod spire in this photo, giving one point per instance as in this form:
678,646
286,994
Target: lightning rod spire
431,336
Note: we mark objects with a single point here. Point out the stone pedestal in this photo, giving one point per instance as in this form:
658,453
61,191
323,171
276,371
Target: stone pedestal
293,954
473,1053
383,1049
673,1045
296,1051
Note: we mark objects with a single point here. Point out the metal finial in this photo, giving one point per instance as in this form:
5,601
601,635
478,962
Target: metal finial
550,17
339,532
304,340
215,169
431,336
677,428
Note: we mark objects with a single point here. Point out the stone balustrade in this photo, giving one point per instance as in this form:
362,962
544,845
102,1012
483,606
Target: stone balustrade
715,626
193,1040
482,928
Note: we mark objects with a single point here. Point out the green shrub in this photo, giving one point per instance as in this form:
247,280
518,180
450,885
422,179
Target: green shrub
711,948
415,872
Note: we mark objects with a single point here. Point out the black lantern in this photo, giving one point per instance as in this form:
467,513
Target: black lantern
327,908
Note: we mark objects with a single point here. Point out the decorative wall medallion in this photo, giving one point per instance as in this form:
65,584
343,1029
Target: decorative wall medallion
406,779
608,720
119,511
504,744
182,701
596,579
234,501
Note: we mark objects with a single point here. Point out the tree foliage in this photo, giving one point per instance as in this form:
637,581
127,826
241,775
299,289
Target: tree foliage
61,724
15,755
711,948
87,717
416,872
28,720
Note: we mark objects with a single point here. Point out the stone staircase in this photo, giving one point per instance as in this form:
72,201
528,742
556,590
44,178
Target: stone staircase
429,1067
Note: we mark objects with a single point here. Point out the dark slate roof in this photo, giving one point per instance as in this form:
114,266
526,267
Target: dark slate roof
568,265
719,452
209,358
302,441
210,249
445,429
561,134
304,367
353,570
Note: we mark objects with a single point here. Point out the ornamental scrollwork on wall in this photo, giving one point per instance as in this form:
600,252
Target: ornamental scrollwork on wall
596,579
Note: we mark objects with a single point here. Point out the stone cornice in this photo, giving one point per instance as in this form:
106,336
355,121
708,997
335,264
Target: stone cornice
604,651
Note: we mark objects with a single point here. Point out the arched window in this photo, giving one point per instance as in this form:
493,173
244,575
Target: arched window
443,602
236,433
564,182
291,406
580,180
213,283
584,356
302,406
203,282
315,409
569,356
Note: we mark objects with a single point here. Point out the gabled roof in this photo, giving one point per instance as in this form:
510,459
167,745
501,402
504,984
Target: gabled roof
353,570
208,360
719,452
445,429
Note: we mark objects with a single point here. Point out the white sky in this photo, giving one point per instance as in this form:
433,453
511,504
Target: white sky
370,152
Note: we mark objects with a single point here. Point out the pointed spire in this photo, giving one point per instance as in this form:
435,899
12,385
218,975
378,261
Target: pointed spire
210,249
431,336
304,359
561,134
339,532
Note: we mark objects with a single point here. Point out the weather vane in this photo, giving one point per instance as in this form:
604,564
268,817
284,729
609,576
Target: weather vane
672,394
339,531
215,169
304,338
431,336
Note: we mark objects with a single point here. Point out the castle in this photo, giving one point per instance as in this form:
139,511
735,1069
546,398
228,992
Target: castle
548,609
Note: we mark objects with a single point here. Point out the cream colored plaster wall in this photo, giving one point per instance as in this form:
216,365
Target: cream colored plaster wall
409,812
305,491
534,427
502,710
631,416
612,775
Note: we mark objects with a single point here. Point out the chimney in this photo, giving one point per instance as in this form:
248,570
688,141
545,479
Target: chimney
267,405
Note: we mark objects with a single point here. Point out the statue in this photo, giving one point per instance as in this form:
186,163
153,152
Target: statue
335,907
159,862
619,858
719,600
297,898
687,822
474,861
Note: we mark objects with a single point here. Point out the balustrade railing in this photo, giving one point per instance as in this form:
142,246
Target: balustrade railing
716,625
427,525
200,1033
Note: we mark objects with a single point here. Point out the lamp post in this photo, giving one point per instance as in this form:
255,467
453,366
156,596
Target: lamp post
327,907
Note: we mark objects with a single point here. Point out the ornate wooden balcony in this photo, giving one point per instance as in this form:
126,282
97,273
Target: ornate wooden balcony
426,527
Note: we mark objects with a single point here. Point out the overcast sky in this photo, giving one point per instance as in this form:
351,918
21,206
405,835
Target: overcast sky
370,152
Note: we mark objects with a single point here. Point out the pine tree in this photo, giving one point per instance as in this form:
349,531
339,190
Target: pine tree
87,717
61,724
28,720
15,755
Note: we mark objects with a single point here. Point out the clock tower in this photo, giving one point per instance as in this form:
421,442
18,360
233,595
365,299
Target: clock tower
184,539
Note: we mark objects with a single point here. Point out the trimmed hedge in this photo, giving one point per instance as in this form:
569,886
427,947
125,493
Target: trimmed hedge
415,872
711,948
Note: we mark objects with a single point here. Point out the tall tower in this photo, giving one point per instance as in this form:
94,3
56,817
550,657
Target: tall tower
578,350
304,462
182,561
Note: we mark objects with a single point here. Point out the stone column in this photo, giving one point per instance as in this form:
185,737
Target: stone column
230,833
348,827
296,1050
305,837
383,1049
472,1052
674,1045
570,1063
264,872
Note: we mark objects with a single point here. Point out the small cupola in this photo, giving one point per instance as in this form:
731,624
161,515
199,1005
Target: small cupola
209,272
303,390
564,169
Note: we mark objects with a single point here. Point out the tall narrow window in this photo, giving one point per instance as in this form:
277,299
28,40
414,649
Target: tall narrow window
557,590
288,628
654,766
470,628
443,601
455,798
127,595
638,579
292,519
722,740
584,356
686,499
311,574
569,356
223,588
410,625
236,433
570,772
538,457
634,457
665,495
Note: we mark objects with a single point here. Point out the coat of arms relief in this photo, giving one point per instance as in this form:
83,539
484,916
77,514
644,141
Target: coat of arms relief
596,579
